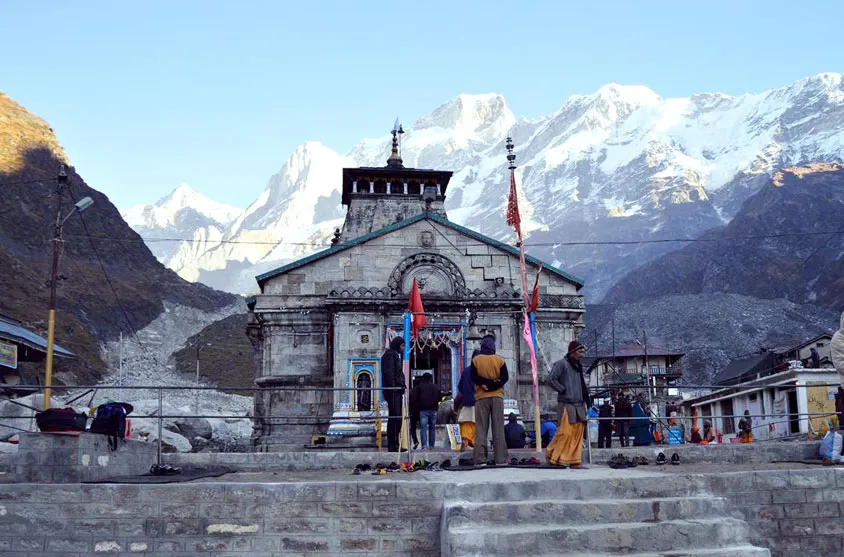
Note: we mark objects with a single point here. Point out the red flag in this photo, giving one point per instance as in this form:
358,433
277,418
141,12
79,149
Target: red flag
534,297
414,305
513,217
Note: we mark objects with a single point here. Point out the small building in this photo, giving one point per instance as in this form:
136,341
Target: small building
777,398
19,347
320,324
631,365
803,351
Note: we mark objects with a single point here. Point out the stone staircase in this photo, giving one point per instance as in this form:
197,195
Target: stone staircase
617,517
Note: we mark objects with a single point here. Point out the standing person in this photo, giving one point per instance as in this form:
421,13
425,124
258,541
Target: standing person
623,413
605,425
514,433
414,414
745,426
466,416
392,379
489,374
426,398
567,379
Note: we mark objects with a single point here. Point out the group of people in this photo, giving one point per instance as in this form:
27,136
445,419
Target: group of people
624,417
479,405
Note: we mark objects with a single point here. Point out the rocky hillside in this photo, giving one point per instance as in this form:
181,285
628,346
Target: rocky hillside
109,281
798,263
620,164
711,329
224,353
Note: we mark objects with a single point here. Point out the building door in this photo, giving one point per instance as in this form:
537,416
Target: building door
436,361
793,417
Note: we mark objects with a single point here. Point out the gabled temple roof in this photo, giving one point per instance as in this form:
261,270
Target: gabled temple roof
407,222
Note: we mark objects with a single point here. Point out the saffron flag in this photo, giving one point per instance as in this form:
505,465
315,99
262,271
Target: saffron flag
414,305
513,217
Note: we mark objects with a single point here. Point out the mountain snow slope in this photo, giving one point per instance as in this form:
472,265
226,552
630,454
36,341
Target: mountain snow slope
621,164
182,214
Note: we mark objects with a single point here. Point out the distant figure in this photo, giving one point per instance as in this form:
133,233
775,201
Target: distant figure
745,426
514,433
816,358
837,348
623,413
445,411
414,414
708,432
568,379
592,428
640,429
489,374
605,425
392,376
426,399
465,401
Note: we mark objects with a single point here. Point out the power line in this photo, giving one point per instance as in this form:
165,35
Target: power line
535,244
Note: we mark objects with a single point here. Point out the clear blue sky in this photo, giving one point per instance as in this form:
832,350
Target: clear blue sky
146,95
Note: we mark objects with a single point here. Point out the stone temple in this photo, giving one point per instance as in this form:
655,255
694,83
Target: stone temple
323,321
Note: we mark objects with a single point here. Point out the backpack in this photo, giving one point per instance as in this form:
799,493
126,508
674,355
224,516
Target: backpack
61,420
110,420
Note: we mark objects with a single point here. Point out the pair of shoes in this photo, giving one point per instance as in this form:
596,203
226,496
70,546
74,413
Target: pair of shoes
618,461
533,461
379,472
356,471
660,459
446,464
641,460
514,461
465,461
675,459
392,467
164,470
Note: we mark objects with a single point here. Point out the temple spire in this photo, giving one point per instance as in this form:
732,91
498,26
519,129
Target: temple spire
395,155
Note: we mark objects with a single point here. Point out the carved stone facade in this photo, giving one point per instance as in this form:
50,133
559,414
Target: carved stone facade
324,321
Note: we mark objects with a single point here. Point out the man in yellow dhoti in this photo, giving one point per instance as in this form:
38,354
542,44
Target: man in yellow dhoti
568,380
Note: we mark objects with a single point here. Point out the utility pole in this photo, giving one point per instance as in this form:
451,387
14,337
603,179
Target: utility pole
196,391
120,360
81,205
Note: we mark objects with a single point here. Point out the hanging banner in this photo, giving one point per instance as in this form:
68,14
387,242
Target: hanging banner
8,355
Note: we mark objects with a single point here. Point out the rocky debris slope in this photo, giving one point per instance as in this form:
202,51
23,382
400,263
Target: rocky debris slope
711,329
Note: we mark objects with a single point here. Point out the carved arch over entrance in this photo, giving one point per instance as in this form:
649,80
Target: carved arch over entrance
437,277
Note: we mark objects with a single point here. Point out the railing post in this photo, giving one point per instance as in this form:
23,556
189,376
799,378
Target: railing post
160,413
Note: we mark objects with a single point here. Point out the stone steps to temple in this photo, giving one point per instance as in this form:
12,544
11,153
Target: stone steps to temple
623,538
603,511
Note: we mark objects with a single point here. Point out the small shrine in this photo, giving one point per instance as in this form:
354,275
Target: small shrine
320,324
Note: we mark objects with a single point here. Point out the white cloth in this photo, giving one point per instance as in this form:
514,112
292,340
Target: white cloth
467,414
837,348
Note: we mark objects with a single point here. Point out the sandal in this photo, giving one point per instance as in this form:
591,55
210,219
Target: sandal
533,461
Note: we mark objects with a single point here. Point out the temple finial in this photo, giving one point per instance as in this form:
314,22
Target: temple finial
511,157
395,154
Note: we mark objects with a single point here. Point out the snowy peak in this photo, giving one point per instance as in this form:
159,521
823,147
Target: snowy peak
469,114
166,212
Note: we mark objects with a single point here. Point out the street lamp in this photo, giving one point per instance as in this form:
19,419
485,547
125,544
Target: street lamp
78,207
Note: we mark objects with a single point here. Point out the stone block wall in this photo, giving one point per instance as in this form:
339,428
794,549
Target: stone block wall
793,513
45,457
222,519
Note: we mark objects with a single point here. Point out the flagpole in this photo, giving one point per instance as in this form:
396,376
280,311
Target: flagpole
514,219
405,365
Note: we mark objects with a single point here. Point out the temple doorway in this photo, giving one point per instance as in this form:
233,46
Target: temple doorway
434,360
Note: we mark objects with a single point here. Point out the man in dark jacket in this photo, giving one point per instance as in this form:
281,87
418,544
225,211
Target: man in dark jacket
623,417
489,374
392,375
514,433
605,425
567,378
426,399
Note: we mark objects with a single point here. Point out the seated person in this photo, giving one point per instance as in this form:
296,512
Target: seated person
547,431
514,433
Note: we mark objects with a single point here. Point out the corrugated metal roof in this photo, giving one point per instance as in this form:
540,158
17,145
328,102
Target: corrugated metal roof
751,365
632,350
15,332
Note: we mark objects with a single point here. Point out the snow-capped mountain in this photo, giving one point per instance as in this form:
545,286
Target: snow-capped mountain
620,164
182,214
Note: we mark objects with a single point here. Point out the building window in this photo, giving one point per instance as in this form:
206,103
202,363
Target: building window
363,395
